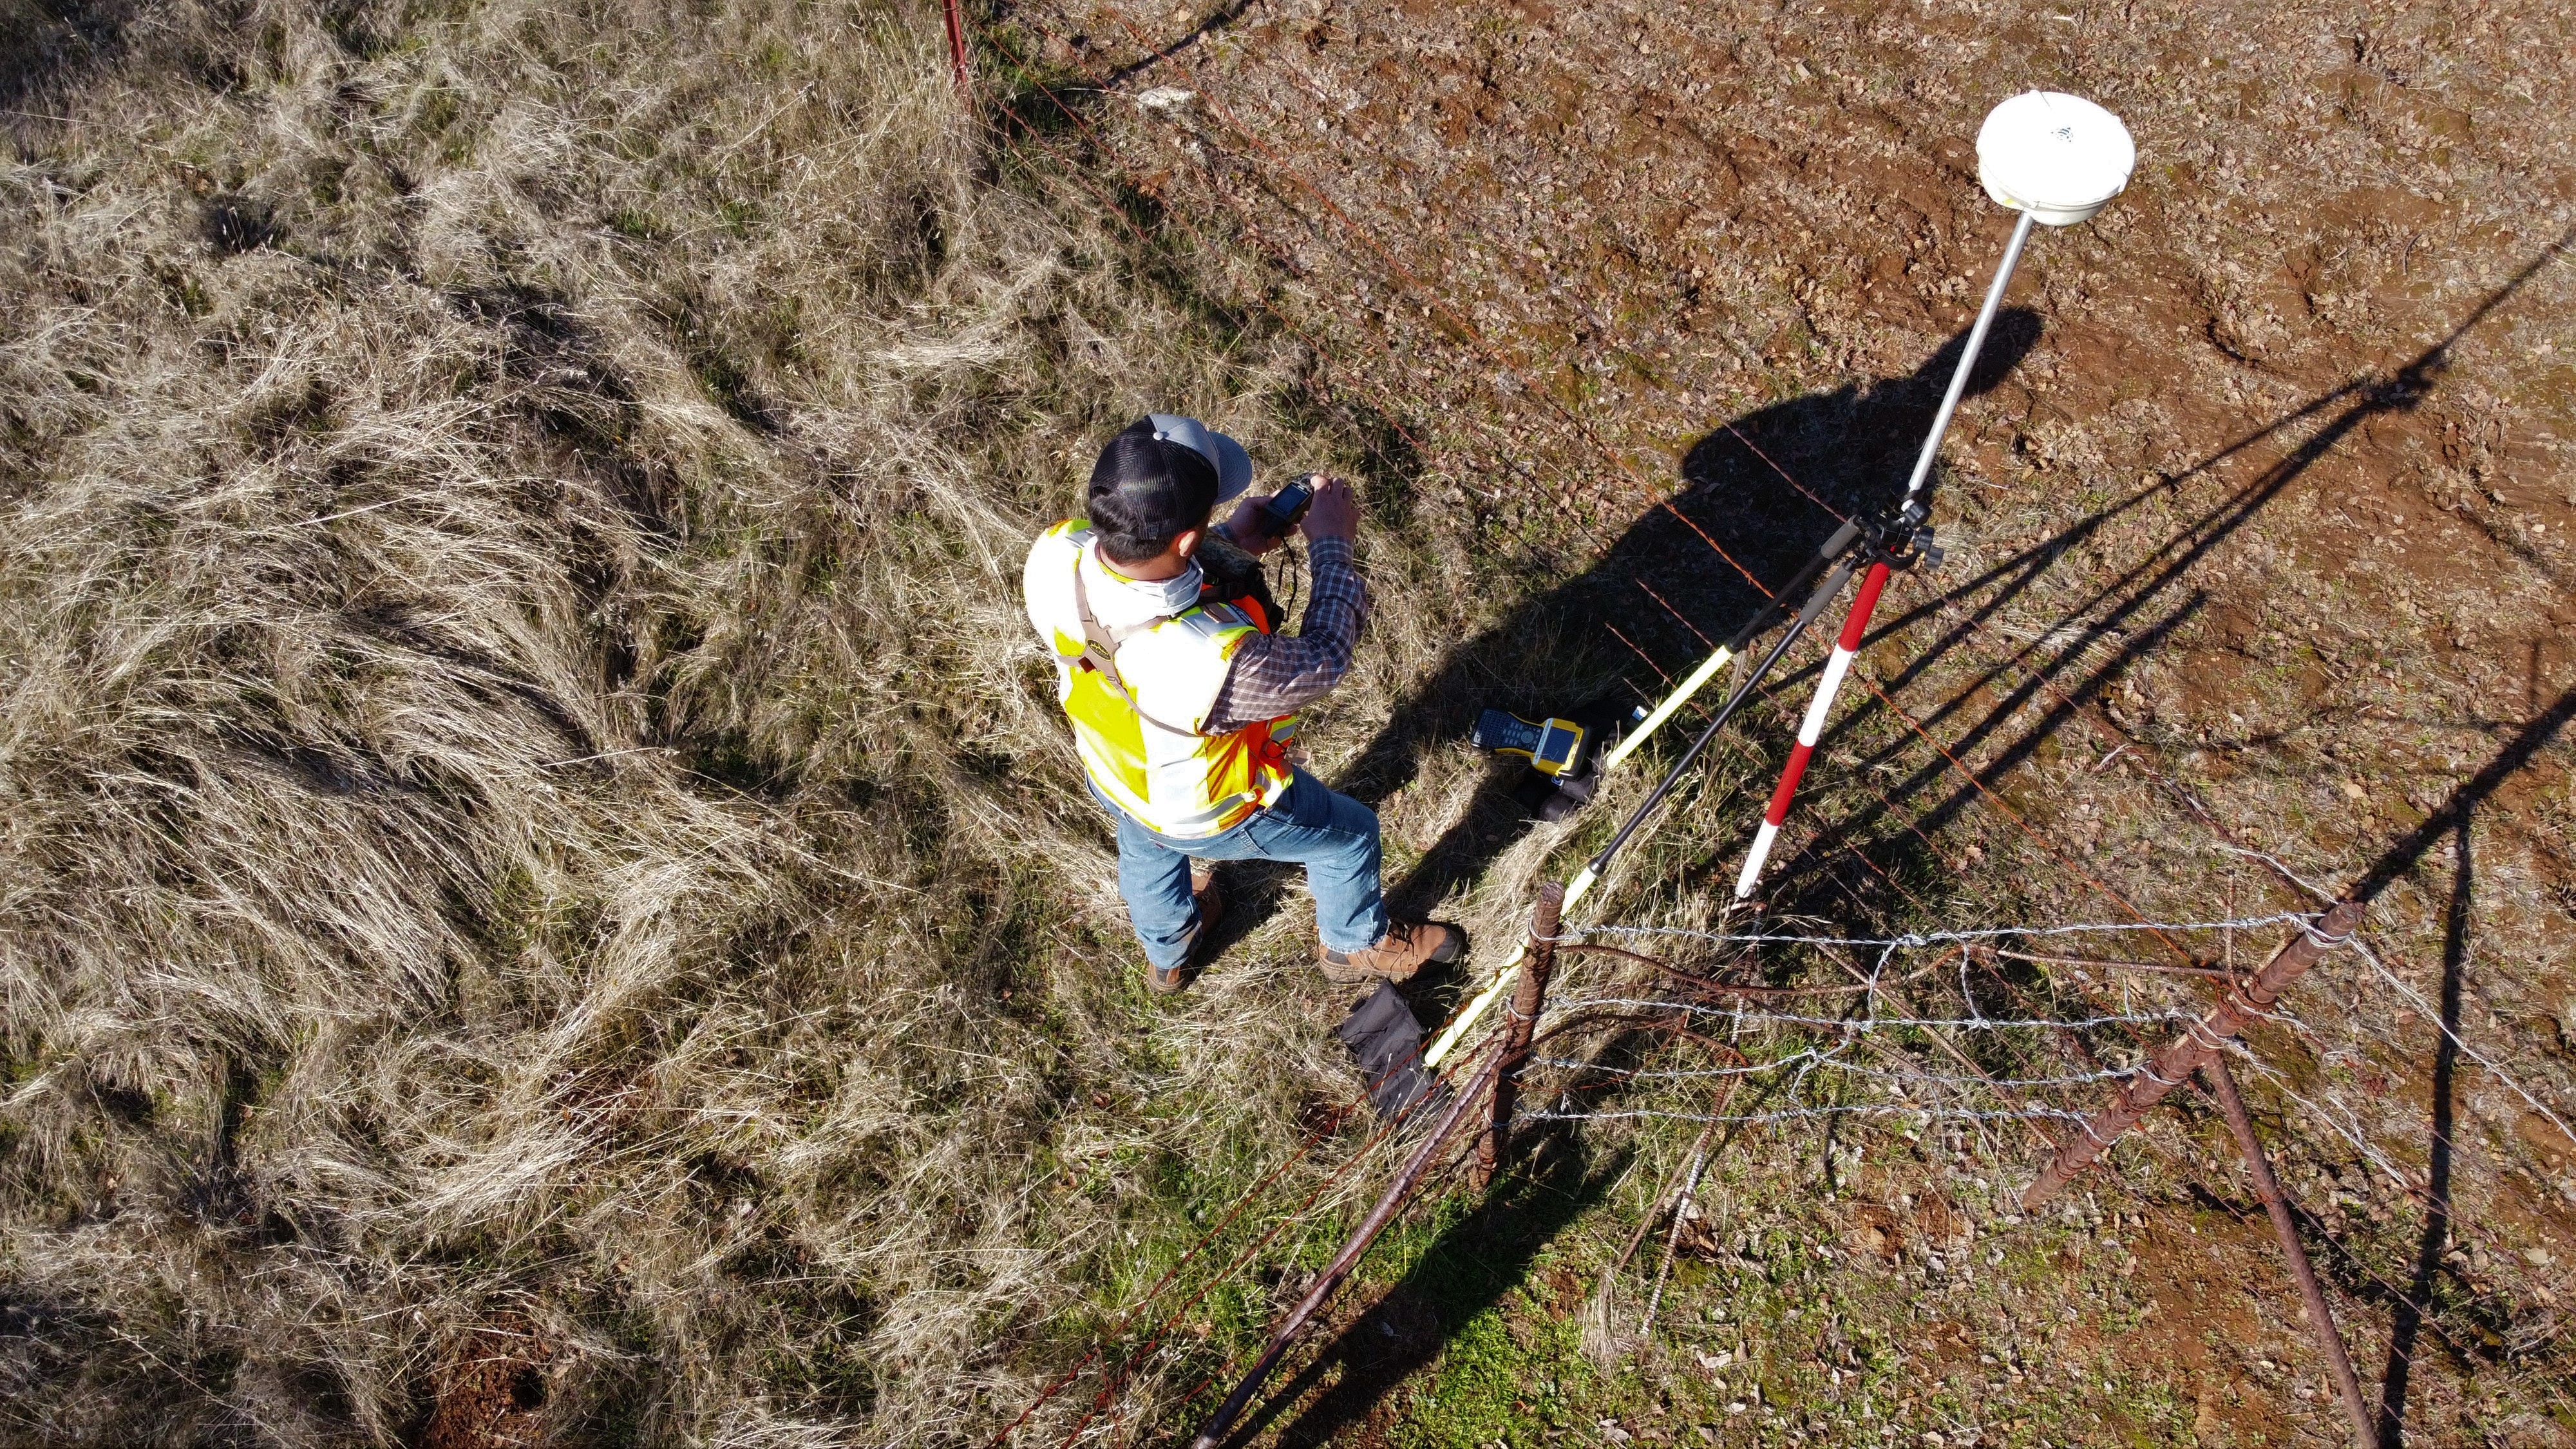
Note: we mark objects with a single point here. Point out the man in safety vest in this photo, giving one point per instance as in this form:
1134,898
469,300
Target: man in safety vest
1183,701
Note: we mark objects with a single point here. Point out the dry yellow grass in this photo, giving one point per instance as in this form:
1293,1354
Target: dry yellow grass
525,799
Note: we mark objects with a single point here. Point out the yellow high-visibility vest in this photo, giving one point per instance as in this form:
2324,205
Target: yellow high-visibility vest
1139,696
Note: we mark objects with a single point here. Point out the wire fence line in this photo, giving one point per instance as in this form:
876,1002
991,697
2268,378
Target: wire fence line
1798,1114
2322,1104
1858,1025
1954,1095
2330,1109
2305,920
2425,1010
1846,1031
1957,1097
1875,982
1830,1060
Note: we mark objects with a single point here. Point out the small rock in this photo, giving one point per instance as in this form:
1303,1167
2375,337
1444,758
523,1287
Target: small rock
1166,98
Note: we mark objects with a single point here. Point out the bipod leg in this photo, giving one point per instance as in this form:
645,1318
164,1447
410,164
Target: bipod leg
1832,548
1585,879
1815,605
1855,624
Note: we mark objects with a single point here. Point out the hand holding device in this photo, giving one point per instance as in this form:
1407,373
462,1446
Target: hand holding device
1335,512
1259,525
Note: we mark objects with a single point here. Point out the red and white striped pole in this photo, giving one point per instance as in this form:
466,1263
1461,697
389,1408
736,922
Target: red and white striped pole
2056,159
1847,644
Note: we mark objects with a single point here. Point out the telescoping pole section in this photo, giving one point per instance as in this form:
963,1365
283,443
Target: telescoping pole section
1856,624
1968,360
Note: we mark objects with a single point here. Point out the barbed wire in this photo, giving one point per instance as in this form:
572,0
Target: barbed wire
1850,1029
1863,1024
1793,1114
2338,1116
2425,1009
1916,939
1831,1059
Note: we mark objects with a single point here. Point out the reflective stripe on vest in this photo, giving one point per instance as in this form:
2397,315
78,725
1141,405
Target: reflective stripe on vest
1138,713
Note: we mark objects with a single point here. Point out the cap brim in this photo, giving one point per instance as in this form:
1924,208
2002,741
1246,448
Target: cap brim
1233,468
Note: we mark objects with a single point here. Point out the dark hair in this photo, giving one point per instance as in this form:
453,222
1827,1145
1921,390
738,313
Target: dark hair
1146,491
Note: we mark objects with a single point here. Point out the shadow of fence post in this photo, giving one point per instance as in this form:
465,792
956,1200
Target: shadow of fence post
1345,1260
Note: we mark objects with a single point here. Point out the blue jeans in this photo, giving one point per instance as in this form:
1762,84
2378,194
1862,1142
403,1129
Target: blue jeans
1333,836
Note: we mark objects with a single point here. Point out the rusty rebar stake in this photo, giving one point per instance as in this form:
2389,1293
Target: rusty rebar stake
1529,996
2286,1228
965,74
2196,1048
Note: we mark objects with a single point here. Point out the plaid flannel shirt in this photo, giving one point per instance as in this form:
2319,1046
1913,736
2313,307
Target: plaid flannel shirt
1276,674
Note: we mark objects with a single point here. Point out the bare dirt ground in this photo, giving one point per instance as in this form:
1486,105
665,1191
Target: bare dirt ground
2259,543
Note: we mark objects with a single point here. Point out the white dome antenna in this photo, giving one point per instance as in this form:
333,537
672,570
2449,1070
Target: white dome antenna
2060,158
2054,158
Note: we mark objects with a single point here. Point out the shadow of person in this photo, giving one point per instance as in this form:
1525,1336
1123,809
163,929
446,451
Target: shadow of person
1681,579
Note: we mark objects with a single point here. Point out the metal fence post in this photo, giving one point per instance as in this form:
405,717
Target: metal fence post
2284,1227
2196,1048
1529,996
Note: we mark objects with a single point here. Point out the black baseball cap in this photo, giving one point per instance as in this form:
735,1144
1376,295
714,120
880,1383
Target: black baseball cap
1165,473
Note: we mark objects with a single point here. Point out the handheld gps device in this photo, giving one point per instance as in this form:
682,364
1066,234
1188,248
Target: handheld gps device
1552,746
1285,509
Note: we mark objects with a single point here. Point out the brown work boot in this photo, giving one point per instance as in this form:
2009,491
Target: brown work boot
1211,910
1211,900
1405,949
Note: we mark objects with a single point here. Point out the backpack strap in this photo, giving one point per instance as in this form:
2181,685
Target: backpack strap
1100,648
